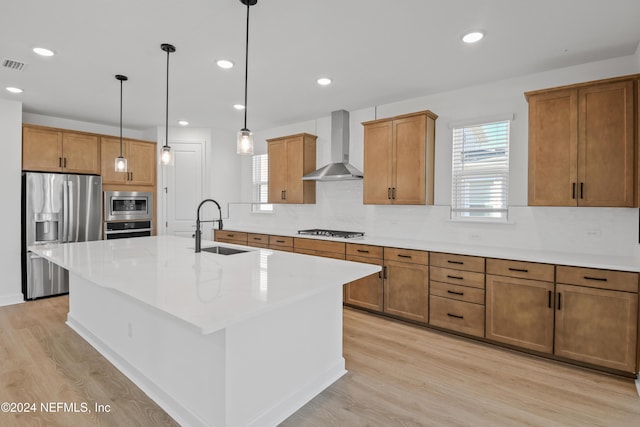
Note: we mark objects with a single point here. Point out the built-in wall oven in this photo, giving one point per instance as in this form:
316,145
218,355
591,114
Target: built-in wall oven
127,214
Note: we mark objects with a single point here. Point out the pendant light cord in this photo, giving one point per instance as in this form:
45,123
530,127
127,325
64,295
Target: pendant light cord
166,119
120,118
246,68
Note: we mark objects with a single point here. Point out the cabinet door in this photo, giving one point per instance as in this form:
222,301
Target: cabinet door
553,148
141,162
606,145
408,175
366,292
378,158
277,151
520,312
81,153
295,157
41,149
109,150
597,326
406,290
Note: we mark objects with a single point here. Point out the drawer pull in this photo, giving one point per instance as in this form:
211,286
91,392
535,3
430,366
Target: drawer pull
455,293
364,251
599,279
404,256
229,235
455,315
257,238
279,241
455,262
455,277
519,270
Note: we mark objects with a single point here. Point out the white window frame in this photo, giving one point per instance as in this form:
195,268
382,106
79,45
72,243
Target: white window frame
260,184
480,155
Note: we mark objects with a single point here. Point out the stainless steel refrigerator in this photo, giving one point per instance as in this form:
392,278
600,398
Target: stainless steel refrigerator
56,208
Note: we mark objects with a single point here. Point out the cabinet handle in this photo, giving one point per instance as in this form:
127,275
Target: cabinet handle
363,251
64,162
520,270
389,193
599,279
279,241
384,272
257,238
582,190
404,256
549,299
573,190
229,235
455,262
455,293
455,315
455,277
60,161
380,274
393,192
559,300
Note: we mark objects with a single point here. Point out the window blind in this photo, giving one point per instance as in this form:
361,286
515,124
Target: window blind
480,172
261,183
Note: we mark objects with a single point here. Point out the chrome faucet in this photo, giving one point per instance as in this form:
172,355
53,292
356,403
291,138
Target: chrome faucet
198,234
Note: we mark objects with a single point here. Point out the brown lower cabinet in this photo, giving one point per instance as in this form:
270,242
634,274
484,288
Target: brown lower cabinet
406,290
368,291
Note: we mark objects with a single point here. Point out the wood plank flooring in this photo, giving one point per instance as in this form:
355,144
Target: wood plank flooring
399,375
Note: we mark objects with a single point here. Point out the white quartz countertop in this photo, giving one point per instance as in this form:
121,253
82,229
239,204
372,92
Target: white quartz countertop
207,290
608,262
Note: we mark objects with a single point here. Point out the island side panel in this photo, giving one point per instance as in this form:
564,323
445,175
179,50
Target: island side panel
172,362
280,360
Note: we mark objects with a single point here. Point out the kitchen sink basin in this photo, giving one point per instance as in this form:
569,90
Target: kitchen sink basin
223,250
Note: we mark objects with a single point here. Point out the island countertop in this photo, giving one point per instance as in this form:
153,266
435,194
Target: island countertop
206,290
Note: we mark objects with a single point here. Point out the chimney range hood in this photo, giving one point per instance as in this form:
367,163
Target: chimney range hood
339,169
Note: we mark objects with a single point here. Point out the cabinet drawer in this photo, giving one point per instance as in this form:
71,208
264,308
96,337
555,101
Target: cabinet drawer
281,248
457,277
319,253
319,245
461,293
281,241
520,269
257,239
228,235
368,251
457,315
596,278
458,262
406,255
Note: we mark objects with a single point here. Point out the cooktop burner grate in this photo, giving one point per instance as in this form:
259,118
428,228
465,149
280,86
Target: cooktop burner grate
331,233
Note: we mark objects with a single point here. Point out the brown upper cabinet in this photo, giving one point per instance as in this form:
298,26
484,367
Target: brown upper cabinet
54,150
141,161
290,158
582,144
398,159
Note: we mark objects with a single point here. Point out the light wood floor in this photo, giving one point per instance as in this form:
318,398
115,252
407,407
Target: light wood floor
399,375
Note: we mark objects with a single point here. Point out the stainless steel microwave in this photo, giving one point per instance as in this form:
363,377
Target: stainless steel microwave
128,206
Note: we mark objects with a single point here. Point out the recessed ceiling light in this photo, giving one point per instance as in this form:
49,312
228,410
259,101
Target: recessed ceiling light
324,81
14,89
472,37
224,63
183,122
43,51
238,106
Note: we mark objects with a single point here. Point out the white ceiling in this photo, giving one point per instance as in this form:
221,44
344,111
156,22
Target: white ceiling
376,51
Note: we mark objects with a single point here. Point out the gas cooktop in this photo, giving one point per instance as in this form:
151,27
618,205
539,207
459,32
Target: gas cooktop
331,233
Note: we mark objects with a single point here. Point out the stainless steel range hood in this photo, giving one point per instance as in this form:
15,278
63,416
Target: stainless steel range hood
339,169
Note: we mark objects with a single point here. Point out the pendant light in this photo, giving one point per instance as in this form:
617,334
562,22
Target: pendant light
245,136
166,154
121,162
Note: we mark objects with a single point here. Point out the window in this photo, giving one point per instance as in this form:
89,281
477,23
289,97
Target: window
261,183
480,183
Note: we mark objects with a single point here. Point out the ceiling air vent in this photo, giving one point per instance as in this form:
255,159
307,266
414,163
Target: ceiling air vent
13,65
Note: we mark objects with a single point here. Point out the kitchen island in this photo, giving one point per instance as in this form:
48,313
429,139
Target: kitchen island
215,340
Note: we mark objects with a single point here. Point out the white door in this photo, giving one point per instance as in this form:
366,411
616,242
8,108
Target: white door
183,189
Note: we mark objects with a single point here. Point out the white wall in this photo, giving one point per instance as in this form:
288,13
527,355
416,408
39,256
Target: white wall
339,204
10,176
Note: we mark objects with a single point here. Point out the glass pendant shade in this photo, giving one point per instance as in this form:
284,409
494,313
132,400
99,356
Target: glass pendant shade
245,142
166,156
121,164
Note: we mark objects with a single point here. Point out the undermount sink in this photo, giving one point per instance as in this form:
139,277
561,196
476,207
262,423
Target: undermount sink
223,250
